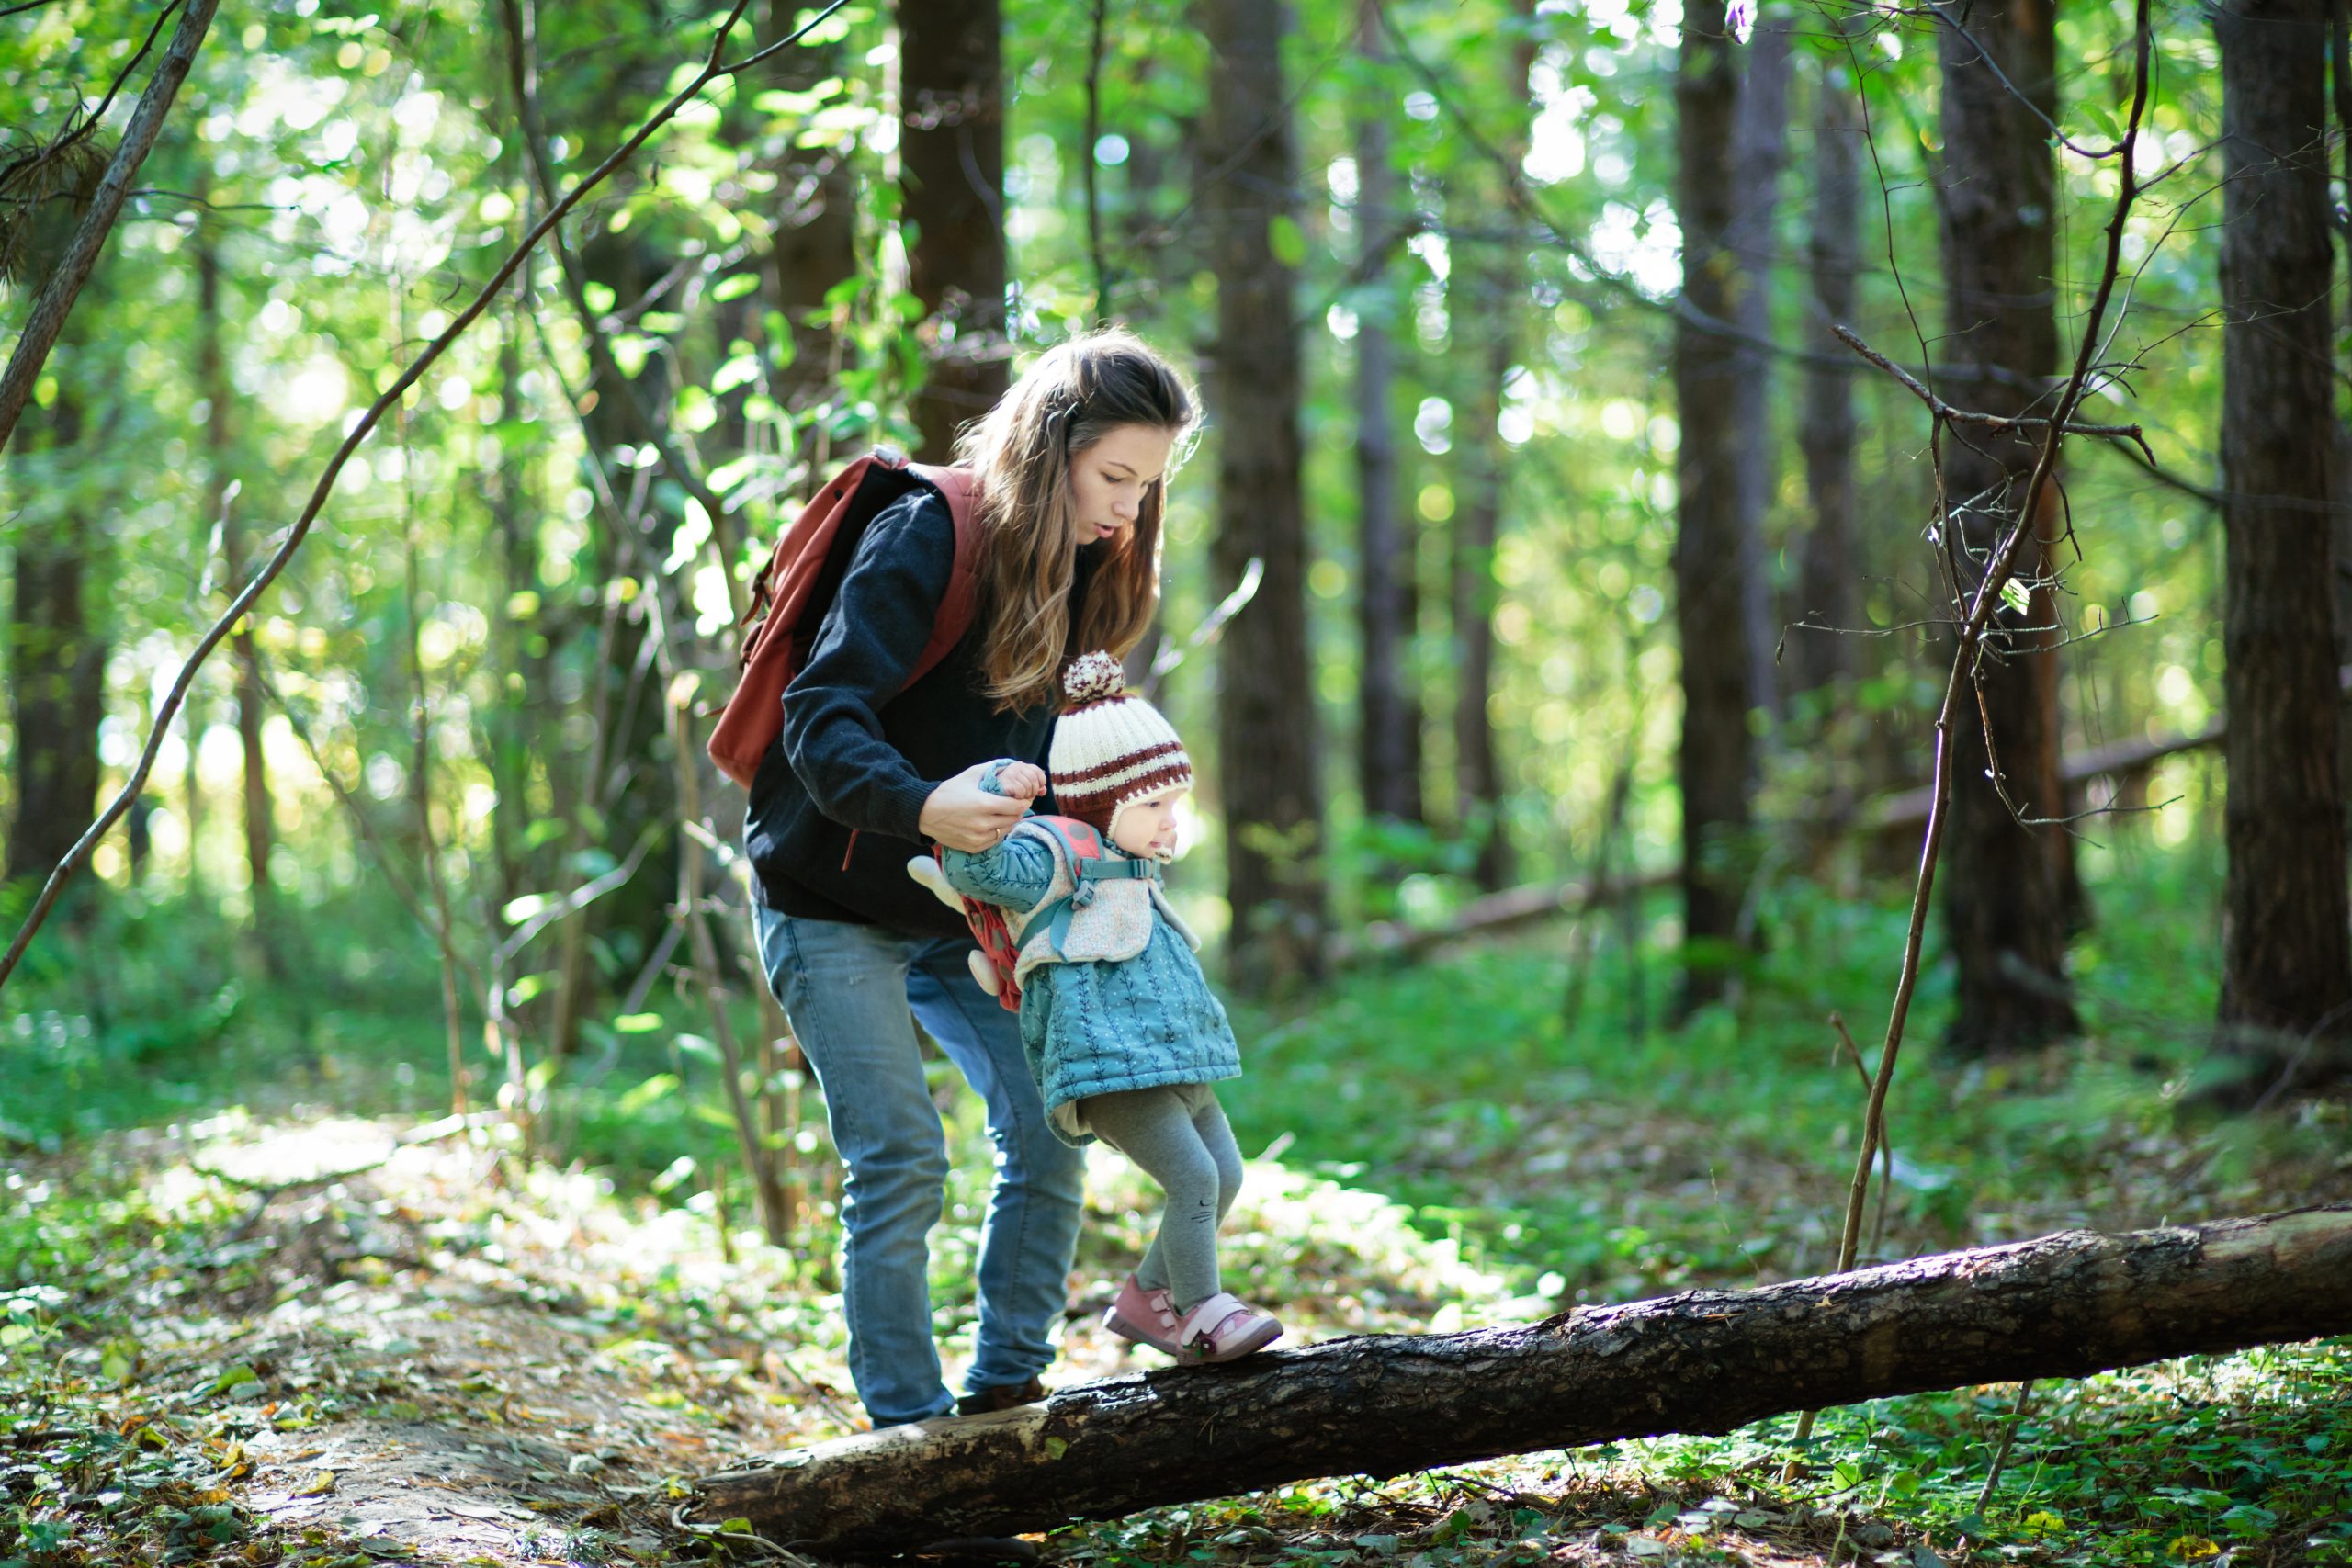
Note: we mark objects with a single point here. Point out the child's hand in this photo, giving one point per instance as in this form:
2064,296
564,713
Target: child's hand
1022,781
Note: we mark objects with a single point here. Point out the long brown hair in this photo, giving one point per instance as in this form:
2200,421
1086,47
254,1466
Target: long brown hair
1074,395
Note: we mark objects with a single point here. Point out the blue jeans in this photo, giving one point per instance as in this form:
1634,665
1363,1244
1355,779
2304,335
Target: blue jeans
853,993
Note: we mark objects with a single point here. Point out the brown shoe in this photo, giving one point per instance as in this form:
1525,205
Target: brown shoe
1003,1396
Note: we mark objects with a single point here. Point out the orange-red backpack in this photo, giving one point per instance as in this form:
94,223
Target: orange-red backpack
797,587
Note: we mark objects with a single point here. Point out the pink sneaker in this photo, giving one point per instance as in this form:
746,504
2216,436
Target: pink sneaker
1147,1317
1225,1329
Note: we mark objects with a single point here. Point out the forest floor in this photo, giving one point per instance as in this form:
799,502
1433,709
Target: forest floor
293,1335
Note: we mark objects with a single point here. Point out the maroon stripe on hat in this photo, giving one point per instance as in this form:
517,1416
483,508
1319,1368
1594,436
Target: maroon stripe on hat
1079,802
1120,763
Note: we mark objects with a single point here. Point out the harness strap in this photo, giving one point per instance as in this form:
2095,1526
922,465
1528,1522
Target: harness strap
1056,916
1118,870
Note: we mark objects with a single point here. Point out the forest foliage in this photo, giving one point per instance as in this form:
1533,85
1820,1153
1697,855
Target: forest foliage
432,824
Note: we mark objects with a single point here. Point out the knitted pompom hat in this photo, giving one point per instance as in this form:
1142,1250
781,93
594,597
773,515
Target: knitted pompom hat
1111,748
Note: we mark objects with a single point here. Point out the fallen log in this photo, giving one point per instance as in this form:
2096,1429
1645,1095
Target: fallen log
1907,811
1903,812
1493,912
2066,1306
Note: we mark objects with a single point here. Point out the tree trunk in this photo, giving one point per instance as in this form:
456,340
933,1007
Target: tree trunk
1266,708
1716,764
57,661
221,507
1827,570
524,662
951,161
2007,887
816,248
1760,150
2339,75
1389,735
2066,1306
1490,284
2287,963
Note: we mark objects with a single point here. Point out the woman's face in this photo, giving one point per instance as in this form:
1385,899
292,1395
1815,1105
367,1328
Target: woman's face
1108,479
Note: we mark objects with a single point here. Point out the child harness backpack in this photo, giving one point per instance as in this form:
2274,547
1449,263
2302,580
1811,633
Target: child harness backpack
797,587
999,950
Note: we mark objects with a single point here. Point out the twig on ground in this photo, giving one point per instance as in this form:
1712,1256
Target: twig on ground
268,1192
2009,1436
1887,1145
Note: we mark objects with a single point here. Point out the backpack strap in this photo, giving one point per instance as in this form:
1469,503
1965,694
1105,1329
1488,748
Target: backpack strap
961,602
791,594
1082,845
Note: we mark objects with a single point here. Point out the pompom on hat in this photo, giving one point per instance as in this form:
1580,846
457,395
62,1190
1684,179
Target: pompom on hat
1111,748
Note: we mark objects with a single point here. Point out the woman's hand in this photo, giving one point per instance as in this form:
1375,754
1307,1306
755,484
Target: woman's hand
963,815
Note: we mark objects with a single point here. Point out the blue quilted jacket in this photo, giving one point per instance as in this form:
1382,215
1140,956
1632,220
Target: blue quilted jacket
1099,1028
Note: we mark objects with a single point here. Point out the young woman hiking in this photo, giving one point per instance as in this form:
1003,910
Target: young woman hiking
1069,468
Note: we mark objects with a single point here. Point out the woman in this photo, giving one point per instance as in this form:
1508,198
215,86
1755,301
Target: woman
1070,471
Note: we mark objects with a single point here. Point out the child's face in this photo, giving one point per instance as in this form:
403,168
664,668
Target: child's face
1146,828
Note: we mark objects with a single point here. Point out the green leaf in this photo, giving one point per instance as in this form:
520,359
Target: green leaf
2014,597
637,1022
1055,1448
739,370
518,910
734,287
655,1088
236,1377
1286,240
695,411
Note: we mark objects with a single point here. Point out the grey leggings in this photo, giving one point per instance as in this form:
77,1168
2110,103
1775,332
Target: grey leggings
1178,1134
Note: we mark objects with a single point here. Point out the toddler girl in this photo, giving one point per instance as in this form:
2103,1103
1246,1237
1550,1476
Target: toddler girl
1121,1029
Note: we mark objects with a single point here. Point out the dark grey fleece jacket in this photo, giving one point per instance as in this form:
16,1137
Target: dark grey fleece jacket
836,805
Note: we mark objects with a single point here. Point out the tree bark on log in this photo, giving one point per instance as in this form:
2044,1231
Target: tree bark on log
2064,1305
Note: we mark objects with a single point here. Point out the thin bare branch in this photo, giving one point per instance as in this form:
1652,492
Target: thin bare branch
522,36
1972,639
64,285
359,432
1944,410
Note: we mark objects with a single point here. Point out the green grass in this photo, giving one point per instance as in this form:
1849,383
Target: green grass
1598,1157
1720,1152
